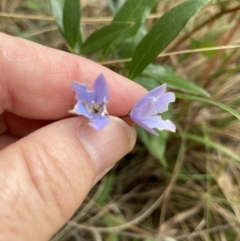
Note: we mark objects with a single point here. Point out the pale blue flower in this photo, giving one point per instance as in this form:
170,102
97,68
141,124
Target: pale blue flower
92,104
145,111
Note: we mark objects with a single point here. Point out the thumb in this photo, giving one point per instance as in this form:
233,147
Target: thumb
45,176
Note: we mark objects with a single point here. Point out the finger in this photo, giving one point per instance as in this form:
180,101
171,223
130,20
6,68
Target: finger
45,176
19,127
6,140
35,81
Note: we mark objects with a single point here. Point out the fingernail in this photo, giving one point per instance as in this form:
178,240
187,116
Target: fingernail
109,145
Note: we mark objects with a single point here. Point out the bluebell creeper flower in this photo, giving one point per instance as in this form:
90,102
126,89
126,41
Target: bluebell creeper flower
145,111
92,104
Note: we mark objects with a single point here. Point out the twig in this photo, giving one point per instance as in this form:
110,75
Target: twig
187,51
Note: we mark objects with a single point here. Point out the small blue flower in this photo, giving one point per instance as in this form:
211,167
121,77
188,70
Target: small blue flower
92,104
145,111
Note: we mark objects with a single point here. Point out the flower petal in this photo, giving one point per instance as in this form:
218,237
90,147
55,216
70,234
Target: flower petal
155,93
158,123
155,122
161,105
98,122
92,104
141,123
151,97
82,92
80,109
145,109
101,90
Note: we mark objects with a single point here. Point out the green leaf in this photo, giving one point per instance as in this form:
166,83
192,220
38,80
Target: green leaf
71,21
164,74
79,42
156,145
204,44
127,50
213,144
162,33
147,83
57,10
115,5
105,188
207,100
104,36
135,11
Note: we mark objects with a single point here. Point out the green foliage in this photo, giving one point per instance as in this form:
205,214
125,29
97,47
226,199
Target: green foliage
156,145
209,101
128,27
204,44
67,14
209,143
127,50
125,24
106,188
147,82
135,11
162,33
187,175
57,10
153,76
104,37
115,5
164,74
71,24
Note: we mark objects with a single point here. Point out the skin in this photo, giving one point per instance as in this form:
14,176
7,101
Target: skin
49,160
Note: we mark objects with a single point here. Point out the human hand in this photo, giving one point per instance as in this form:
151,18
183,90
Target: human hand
48,160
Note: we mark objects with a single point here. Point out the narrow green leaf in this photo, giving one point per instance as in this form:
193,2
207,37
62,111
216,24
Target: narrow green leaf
57,10
214,145
104,36
162,33
79,42
105,188
207,100
148,83
164,74
156,145
127,50
135,11
71,21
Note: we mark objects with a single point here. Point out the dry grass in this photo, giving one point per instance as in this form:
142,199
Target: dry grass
197,197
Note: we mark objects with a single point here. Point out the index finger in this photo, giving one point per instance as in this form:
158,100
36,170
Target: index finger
35,81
